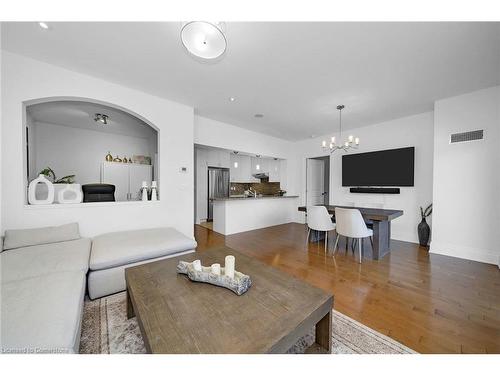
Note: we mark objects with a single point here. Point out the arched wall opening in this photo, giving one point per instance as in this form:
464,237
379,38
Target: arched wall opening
96,142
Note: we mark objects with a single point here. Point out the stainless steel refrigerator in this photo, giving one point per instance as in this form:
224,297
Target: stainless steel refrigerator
218,187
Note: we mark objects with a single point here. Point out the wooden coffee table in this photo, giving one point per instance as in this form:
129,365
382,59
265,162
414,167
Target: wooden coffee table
177,315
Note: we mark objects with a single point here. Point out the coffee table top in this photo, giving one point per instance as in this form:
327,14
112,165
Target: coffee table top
177,315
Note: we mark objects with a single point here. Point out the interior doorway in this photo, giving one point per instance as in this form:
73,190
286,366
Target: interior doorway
318,180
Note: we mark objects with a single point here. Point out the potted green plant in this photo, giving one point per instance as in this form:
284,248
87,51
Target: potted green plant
424,231
49,173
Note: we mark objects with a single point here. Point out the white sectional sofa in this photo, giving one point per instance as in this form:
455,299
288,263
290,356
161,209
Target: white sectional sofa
43,289
44,274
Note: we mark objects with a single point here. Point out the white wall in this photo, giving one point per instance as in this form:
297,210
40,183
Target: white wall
26,79
466,177
222,135
1,126
69,150
409,131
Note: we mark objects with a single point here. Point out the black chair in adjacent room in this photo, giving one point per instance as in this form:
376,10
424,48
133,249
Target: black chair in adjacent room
98,193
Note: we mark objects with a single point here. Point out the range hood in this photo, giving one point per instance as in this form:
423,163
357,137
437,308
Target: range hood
261,176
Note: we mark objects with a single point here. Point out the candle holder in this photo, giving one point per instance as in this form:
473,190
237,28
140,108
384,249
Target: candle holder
239,284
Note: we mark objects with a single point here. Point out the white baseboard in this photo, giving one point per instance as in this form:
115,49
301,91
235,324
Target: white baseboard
403,236
465,252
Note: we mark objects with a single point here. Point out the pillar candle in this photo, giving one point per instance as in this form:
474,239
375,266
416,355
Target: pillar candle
229,266
197,265
216,268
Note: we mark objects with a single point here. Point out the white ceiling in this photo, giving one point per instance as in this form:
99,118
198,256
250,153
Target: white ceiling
293,73
81,115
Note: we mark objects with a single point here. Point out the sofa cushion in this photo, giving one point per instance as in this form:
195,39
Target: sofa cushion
43,314
119,248
16,238
102,283
33,261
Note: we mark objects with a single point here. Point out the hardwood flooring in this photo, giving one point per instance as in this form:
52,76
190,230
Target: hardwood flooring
430,303
207,224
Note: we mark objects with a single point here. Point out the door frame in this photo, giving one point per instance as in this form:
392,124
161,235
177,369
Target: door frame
329,175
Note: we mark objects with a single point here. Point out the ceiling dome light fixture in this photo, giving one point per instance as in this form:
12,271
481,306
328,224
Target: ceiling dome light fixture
103,119
350,143
204,39
43,25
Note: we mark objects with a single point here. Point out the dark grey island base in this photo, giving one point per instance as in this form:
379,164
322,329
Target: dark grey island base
381,220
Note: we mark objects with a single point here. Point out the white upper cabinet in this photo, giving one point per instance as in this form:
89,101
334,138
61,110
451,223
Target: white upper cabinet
235,168
274,170
218,158
241,169
260,165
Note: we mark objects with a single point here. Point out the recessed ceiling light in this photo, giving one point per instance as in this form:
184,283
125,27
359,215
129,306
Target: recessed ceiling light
204,39
43,25
232,99
258,115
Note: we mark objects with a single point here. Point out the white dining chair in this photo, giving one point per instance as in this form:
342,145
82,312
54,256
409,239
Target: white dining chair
368,222
350,223
319,219
348,204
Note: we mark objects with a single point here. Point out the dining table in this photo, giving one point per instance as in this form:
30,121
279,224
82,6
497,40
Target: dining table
380,221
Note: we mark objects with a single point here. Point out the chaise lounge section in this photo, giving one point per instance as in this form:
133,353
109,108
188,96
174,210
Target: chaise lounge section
113,252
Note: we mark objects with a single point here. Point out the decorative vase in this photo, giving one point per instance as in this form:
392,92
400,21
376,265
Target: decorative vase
40,181
154,193
424,232
69,193
109,157
144,191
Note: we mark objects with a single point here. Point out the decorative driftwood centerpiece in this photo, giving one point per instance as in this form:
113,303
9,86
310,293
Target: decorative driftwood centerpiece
226,277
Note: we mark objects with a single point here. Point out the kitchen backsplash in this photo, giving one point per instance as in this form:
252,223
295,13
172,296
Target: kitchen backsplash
265,188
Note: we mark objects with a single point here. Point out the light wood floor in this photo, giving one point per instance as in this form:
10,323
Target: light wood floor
431,303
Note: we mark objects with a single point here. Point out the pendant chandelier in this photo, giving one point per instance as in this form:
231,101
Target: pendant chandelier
351,142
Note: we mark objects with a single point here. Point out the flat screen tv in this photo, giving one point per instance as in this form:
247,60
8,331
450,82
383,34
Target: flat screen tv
379,168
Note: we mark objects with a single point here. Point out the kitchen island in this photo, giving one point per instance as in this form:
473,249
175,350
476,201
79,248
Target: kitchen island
240,214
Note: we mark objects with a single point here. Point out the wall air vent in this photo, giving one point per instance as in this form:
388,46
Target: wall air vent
474,135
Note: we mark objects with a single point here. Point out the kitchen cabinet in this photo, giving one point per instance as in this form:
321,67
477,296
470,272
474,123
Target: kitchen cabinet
241,170
218,158
260,165
274,170
127,179
235,168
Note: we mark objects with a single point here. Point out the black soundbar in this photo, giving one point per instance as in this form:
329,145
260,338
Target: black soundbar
374,190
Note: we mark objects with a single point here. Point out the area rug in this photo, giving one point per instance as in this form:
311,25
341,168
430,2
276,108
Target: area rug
106,329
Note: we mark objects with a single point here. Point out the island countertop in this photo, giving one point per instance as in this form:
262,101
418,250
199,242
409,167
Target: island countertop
238,214
239,198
